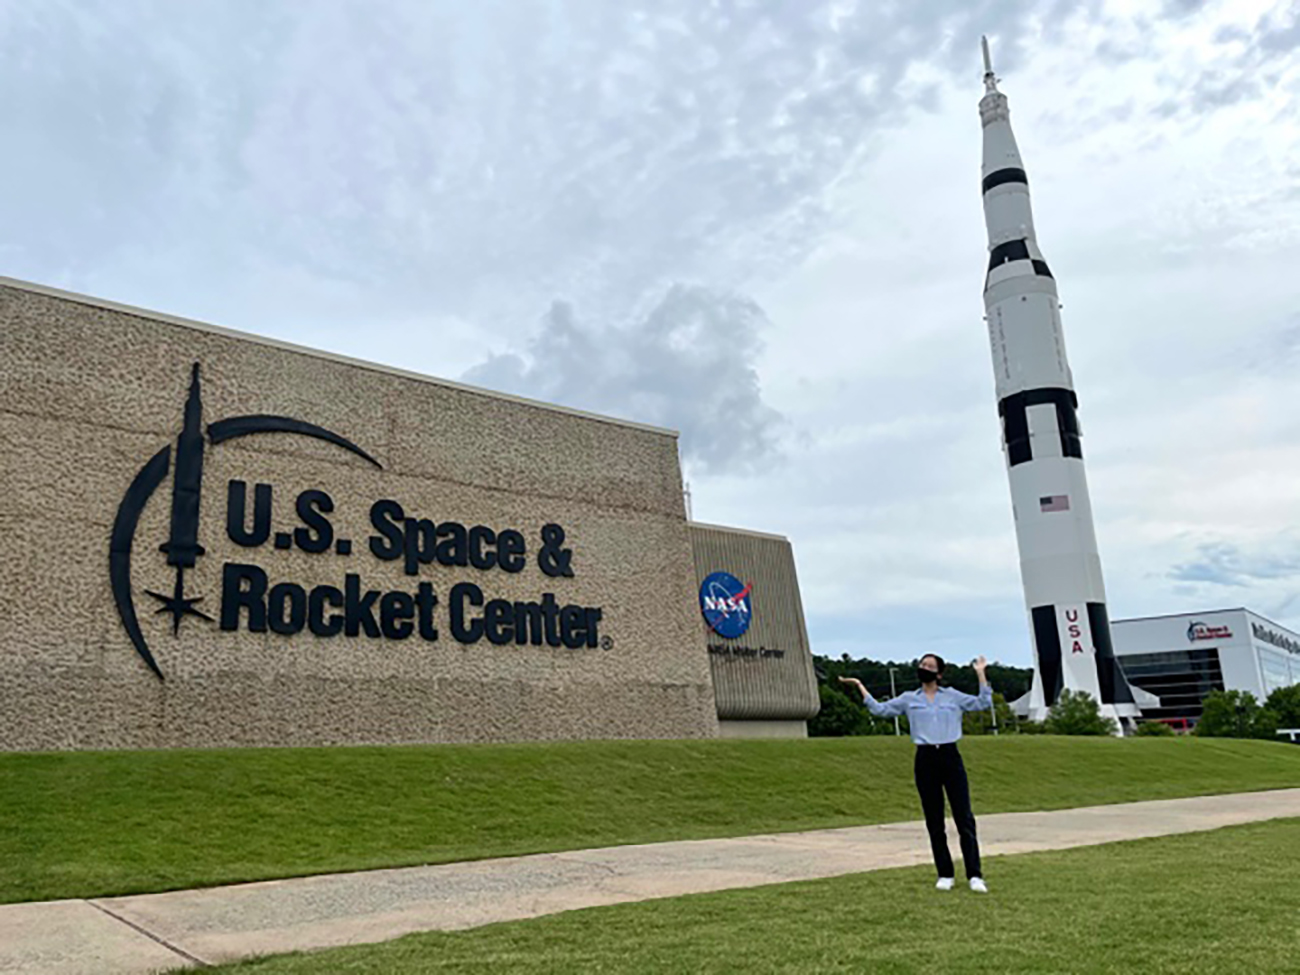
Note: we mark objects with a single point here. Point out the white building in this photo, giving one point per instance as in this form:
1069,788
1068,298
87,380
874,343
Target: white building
1182,657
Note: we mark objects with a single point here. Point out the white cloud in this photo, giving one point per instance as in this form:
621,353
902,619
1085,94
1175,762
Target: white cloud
688,365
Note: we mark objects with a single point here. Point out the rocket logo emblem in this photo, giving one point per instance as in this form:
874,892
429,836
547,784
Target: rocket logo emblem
726,604
182,546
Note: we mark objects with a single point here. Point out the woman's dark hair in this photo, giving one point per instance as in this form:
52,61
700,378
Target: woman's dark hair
937,659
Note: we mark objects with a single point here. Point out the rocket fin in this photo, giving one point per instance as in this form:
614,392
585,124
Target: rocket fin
1114,686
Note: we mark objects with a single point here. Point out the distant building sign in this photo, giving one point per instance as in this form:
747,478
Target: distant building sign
726,604
1266,635
1200,631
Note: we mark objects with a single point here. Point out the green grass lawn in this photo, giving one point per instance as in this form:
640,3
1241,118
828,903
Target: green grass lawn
84,824
1221,901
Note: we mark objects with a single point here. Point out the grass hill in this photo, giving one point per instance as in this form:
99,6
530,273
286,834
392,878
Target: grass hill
84,824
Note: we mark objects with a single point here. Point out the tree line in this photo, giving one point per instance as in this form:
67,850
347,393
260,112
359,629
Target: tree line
1226,714
1238,714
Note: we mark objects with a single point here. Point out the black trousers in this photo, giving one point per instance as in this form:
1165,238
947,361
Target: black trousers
940,768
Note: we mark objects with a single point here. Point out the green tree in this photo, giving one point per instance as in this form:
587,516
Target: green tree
842,715
838,717
1285,705
1264,725
1235,714
1154,729
1077,713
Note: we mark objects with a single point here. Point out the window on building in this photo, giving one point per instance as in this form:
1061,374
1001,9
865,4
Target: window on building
1274,669
1180,678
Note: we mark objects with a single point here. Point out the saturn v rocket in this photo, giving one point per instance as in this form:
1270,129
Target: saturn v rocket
1041,439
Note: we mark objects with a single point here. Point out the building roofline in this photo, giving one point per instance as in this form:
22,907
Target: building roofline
737,531
1208,612
1195,612
80,299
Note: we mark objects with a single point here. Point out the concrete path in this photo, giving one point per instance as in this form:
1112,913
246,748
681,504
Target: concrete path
156,932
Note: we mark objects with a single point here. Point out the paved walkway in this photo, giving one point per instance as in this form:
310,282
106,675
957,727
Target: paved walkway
190,928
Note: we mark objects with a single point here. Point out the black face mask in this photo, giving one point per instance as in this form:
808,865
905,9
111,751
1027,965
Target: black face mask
926,676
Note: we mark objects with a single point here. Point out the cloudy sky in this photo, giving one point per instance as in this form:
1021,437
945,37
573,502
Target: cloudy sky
758,223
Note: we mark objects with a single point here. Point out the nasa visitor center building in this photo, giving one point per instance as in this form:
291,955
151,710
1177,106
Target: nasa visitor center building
216,539
1182,657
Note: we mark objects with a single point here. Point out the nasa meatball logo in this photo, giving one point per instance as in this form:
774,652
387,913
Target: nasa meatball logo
726,604
251,600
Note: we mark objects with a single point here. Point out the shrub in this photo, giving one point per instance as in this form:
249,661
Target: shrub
838,716
1284,703
1154,729
1078,713
1235,714
842,715
1264,725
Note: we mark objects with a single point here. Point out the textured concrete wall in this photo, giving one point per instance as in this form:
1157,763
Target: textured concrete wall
752,682
90,392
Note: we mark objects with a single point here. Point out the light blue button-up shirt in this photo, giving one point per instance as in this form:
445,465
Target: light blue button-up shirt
936,722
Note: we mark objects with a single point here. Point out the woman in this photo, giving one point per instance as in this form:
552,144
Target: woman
934,717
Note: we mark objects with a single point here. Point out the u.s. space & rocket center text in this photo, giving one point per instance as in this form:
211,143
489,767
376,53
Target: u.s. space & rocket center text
248,598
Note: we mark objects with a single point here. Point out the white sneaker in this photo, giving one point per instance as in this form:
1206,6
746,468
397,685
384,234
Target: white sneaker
945,883
977,885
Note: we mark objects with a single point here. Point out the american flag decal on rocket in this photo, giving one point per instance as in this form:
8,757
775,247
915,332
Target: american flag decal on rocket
1057,502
